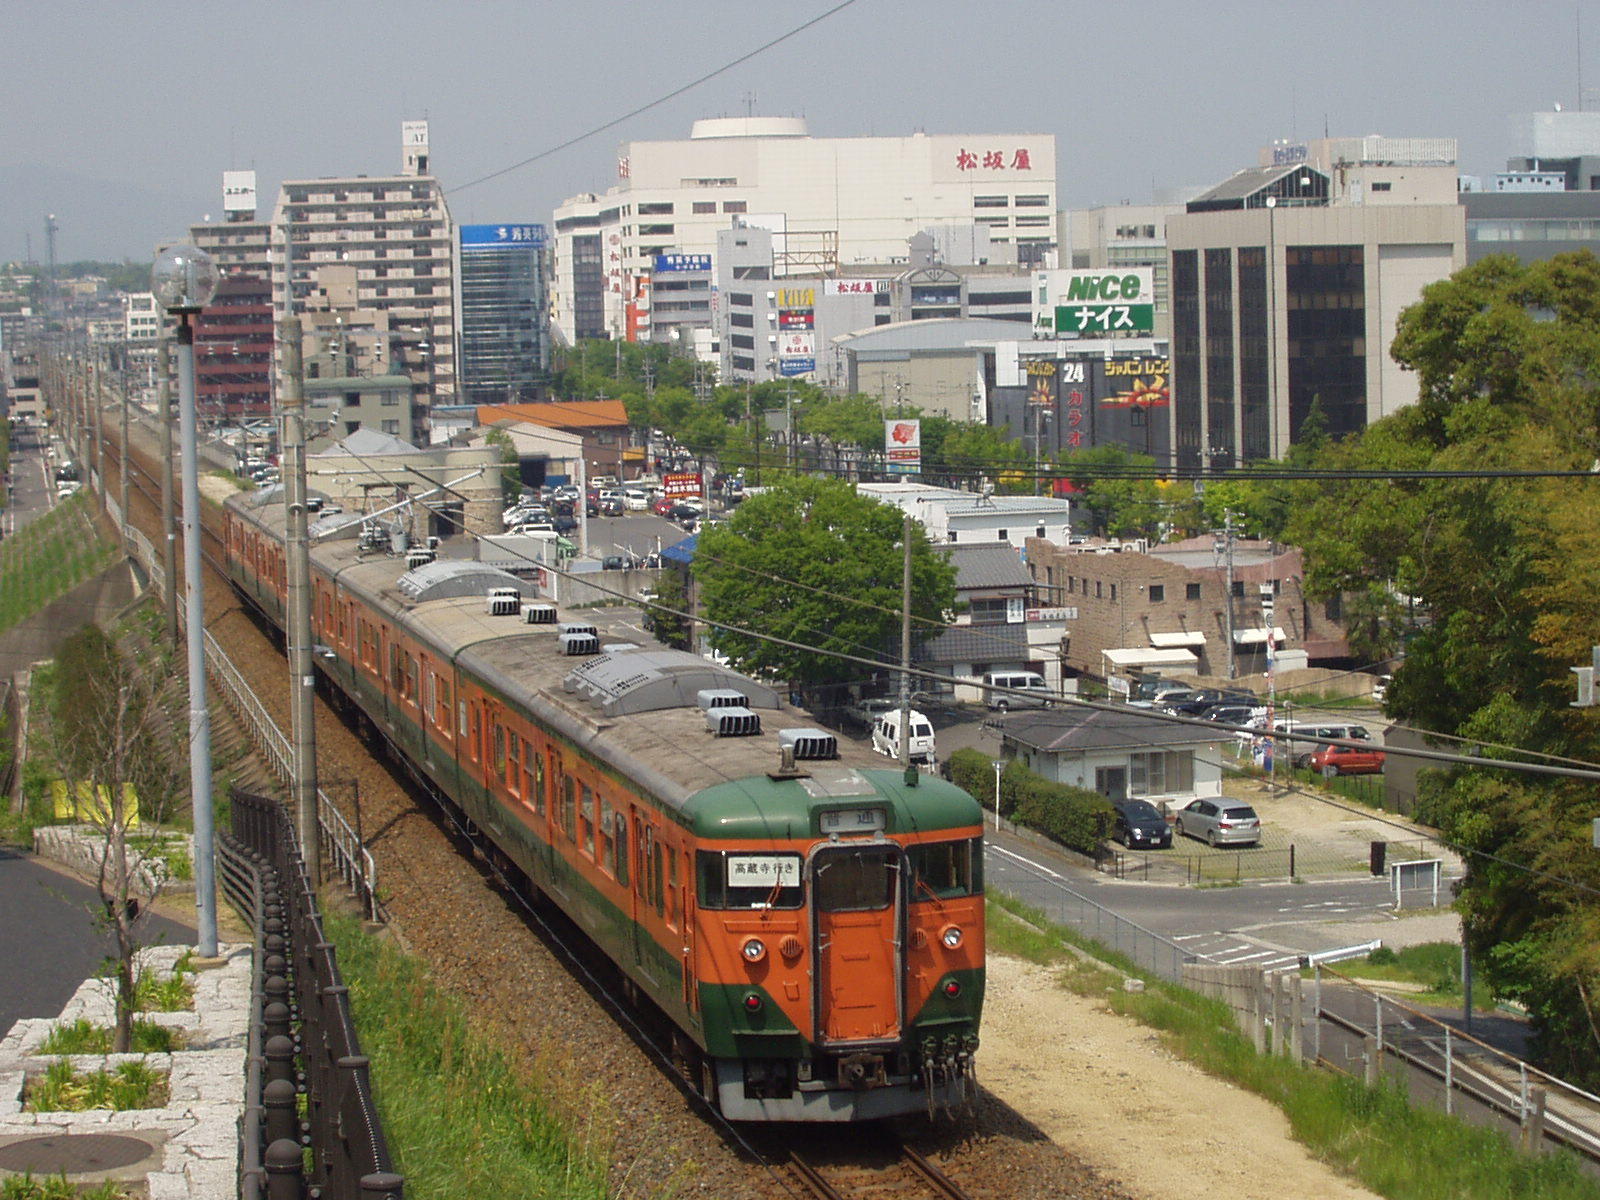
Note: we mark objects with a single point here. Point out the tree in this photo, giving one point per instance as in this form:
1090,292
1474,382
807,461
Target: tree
1501,574
816,564
113,723
510,476
1119,501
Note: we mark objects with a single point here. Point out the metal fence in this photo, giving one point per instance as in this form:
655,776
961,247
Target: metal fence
308,1082
341,847
1235,866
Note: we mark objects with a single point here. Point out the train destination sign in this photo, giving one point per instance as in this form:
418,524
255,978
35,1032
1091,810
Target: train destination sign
763,870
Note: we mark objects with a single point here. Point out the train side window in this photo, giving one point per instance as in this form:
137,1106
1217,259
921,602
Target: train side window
397,674
569,807
475,738
608,837
538,777
513,765
499,759
945,870
587,817
411,678
674,897
428,696
620,833
461,717
658,875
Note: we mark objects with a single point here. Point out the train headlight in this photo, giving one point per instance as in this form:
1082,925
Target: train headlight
752,1002
754,950
951,936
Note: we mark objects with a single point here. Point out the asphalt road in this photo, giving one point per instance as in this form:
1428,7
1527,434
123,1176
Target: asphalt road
50,939
32,491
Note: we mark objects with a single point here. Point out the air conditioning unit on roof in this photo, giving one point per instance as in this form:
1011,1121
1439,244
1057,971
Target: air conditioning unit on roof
504,602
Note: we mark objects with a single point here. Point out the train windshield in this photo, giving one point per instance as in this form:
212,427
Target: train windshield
732,879
946,870
856,880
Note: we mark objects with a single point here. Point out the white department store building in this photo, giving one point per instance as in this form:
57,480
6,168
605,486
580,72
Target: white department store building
646,247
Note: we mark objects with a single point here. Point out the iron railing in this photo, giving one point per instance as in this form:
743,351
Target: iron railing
317,1091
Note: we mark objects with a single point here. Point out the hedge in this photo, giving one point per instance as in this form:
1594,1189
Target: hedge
1073,816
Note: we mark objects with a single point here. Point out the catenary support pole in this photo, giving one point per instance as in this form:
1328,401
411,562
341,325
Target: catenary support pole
302,671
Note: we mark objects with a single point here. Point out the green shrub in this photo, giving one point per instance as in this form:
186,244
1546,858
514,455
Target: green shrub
126,1086
973,772
1075,817
58,1187
85,1037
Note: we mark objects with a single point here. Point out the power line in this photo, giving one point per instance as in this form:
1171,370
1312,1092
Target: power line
658,101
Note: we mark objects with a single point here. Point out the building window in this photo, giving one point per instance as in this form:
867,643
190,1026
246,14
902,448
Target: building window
1161,772
655,210
391,427
702,207
656,230
1032,201
734,206
990,202
1238,587
1004,535
1113,593
1191,591
1098,585
1383,186
1158,593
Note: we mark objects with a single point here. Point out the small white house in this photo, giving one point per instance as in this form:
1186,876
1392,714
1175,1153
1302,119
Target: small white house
1116,752
964,518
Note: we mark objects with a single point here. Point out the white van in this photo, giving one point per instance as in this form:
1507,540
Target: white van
1299,750
886,735
635,499
1031,682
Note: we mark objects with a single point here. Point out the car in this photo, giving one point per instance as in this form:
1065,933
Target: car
684,512
863,713
886,735
1140,823
1234,714
611,507
1347,760
1298,749
564,522
614,562
1219,822
635,499
662,505
592,508
1204,698
527,527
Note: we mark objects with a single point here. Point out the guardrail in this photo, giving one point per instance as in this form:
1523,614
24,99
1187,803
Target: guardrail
341,847
313,1087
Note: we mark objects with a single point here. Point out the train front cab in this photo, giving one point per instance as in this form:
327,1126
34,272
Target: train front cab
842,976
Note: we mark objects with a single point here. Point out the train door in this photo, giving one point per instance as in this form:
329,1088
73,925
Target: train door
858,915
639,893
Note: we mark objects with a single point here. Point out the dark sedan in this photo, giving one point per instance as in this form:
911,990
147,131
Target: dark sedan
1206,698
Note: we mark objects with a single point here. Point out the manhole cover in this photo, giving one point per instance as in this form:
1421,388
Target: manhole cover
73,1152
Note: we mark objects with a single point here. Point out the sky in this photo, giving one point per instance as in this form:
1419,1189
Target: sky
120,118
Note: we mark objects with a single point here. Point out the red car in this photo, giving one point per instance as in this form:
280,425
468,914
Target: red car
662,505
1347,760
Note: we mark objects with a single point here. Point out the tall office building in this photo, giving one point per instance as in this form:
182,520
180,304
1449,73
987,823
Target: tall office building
505,353
831,202
1287,283
397,233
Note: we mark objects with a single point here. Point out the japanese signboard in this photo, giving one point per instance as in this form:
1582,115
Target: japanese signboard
1095,303
796,364
902,446
855,287
797,318
239,191
1091,401
502,235
680,486
797,344
993,158
763,870
667,263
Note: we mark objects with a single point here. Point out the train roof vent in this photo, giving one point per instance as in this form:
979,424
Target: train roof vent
419,558
576,644
618,647
504,602
454,577
709,698
732,721
809,743
539,613
652,679
579,627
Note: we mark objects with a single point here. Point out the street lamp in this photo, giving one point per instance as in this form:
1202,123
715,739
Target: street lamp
184,279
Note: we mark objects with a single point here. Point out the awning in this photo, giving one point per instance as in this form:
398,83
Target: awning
1257,637
1166,641
1135,657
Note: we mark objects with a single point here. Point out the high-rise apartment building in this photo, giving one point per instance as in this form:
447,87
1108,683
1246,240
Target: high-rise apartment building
505,341
397,233
832,203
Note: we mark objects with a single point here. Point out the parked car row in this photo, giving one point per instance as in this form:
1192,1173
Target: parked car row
1219,821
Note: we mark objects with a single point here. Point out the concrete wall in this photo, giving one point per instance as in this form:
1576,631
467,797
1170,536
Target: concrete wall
40,635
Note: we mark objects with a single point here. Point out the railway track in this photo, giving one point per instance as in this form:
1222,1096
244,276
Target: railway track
911,1177
448,910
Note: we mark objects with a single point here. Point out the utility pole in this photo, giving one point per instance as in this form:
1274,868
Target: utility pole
302,671
1223,547
169,535
905,655
122,389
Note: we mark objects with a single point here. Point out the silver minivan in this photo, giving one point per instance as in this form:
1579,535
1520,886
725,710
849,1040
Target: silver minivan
1299,750
1029,690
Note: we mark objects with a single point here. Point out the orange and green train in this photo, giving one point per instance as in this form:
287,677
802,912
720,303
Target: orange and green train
810,924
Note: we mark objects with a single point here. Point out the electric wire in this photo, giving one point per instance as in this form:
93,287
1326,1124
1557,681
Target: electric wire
658,101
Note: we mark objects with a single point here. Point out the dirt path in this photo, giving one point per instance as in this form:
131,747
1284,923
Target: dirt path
1102,1087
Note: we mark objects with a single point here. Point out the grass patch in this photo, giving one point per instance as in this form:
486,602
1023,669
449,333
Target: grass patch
1435,966
165,993
85,1037
1374,1135
1021,932
49,557
58,1187
126,1086
461,1116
